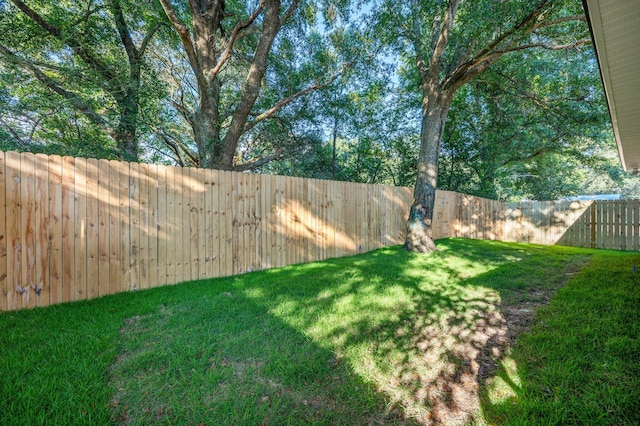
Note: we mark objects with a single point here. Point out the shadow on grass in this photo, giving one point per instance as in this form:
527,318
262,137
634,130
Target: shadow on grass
222,359
425,331
385,337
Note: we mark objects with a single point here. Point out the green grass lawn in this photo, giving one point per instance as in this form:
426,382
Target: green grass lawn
386,337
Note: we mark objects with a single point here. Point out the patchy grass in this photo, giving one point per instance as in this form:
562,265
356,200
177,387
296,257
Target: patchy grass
580,364
386,337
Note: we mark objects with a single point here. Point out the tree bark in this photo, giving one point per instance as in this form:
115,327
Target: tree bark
419,236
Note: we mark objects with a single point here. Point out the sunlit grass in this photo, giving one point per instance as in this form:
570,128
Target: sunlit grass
384,337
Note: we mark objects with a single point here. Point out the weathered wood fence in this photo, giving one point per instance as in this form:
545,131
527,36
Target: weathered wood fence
73,228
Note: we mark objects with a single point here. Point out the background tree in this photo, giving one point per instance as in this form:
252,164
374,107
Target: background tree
87,56
248,64
533,126
452,43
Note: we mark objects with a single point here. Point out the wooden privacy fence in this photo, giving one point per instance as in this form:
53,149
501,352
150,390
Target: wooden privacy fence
73,228
593,224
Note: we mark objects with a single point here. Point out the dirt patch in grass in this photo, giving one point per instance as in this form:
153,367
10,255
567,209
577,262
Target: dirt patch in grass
473,359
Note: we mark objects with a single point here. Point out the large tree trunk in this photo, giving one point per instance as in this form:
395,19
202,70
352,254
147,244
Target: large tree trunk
125,134
419,235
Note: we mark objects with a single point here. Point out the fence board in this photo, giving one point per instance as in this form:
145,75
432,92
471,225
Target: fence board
55,229
115,258
135,225
636,223
182,181
4,282
104,199
28,237
125,226
161,226
14,240
79,288
200,192
171,231
152,225
144,222
42,287
226,206
93,233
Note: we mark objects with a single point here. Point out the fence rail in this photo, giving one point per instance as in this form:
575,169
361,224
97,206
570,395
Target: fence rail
73,228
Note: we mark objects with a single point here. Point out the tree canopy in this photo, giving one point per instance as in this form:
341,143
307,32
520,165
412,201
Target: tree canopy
497,99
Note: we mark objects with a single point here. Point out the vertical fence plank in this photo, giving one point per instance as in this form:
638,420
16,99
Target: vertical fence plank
272,190
115,258
104,207
616,225
288,226
207,214
80,231
68,227
28,231
312,223
42,288
185,228
4,281
92,231
184,266
192,196
216,190
301,232
171,226
13,220
247,252
55,229
136,208
265,221
636,224
199,204
153,202
124,224
142,271
237,212
610,225
226,207
257,217
281,240
161,227
323,201
178,224
251,224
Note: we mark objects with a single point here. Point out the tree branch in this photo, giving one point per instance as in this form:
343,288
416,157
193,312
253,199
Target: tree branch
148,37
289,12
72,43
123,30
177,147
234,37
254,164
75,101
284,102
487,56
543,24
443,38
185,36
567,46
